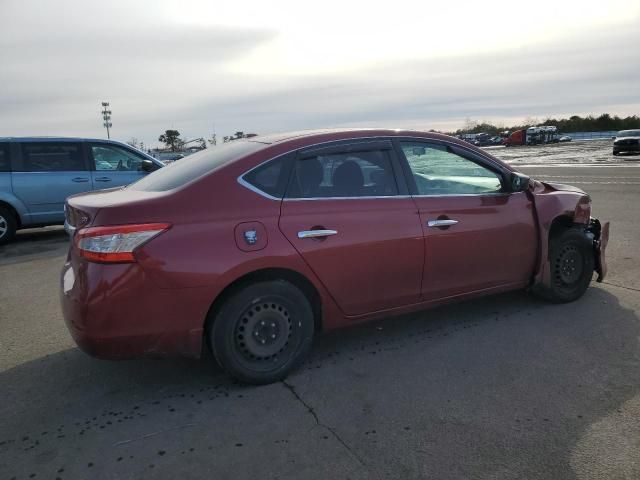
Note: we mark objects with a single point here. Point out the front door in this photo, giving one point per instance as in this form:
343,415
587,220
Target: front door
477,236
344,214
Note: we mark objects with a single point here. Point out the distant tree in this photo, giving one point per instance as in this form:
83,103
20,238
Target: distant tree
171,138
575,123
237,136
469,124
133,141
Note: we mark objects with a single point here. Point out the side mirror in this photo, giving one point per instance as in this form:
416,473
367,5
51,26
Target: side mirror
518,182
148,166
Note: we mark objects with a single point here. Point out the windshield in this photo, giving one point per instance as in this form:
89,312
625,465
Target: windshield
629,133
187,169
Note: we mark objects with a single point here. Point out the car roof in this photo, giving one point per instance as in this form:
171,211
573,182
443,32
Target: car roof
329,134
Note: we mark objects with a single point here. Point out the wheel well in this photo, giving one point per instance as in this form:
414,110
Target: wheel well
9,207
267,274
560,224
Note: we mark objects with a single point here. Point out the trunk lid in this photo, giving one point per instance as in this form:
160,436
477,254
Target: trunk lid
110,207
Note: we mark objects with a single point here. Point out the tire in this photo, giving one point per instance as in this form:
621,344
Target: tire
262,332
572,263
616,153
8,225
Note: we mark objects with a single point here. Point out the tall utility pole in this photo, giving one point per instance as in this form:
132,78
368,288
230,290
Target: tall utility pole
106,116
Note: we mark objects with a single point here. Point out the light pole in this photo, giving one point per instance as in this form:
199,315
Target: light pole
106,116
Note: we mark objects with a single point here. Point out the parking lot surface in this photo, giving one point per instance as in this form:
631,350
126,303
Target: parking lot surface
503,387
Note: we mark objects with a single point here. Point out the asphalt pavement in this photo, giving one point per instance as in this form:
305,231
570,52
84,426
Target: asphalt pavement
498,388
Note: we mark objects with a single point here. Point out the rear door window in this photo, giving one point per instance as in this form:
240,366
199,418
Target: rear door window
5,162
338,175
52,157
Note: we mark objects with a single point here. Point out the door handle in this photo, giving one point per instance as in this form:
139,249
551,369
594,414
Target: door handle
102,179
316,233
441,223
79,179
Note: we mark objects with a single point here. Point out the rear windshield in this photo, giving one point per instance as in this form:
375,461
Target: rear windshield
194,166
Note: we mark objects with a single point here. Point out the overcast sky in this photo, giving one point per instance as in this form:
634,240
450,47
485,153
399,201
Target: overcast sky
274,66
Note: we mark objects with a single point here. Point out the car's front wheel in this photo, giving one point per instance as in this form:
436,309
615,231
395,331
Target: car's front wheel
262,332
616,152
572,262
7,225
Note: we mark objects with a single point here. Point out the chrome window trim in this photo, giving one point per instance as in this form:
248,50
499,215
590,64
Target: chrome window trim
255,189
369,197
489,194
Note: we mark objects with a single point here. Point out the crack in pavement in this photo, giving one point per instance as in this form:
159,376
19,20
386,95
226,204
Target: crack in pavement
622,286
313,413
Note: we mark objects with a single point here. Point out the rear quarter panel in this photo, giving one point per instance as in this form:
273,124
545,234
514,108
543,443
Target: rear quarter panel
201,248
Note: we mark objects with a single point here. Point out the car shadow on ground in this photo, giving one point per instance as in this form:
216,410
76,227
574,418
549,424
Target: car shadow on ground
498,369
46,241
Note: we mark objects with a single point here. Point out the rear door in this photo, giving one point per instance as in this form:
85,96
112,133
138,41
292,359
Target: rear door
45,174
477,235
354,224
113,165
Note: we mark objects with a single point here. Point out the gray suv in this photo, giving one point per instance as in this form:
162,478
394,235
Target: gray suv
38,174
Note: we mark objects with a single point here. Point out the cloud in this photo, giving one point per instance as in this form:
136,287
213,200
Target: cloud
161,73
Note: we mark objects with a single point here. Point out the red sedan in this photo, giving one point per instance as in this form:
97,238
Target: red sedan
250,248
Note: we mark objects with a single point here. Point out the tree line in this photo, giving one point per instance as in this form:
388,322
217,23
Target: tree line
173,141
575,123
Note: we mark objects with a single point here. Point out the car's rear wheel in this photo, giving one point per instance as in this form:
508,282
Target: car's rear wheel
8,225
572,263
262,332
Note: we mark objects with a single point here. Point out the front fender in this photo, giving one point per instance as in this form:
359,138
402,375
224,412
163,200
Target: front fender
560,206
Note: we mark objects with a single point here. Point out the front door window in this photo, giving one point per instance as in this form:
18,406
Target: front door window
437,170
108,158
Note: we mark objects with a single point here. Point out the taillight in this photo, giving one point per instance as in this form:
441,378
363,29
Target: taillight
115,244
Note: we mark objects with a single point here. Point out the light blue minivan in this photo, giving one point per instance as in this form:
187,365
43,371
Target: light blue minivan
37,174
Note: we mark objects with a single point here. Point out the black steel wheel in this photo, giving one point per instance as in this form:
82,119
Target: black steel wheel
572,264
263,331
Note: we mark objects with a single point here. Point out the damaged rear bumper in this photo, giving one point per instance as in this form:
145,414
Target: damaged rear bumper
600,238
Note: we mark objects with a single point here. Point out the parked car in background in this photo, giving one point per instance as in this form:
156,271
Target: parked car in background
565,138
37,174
168,157
251,248
626,141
